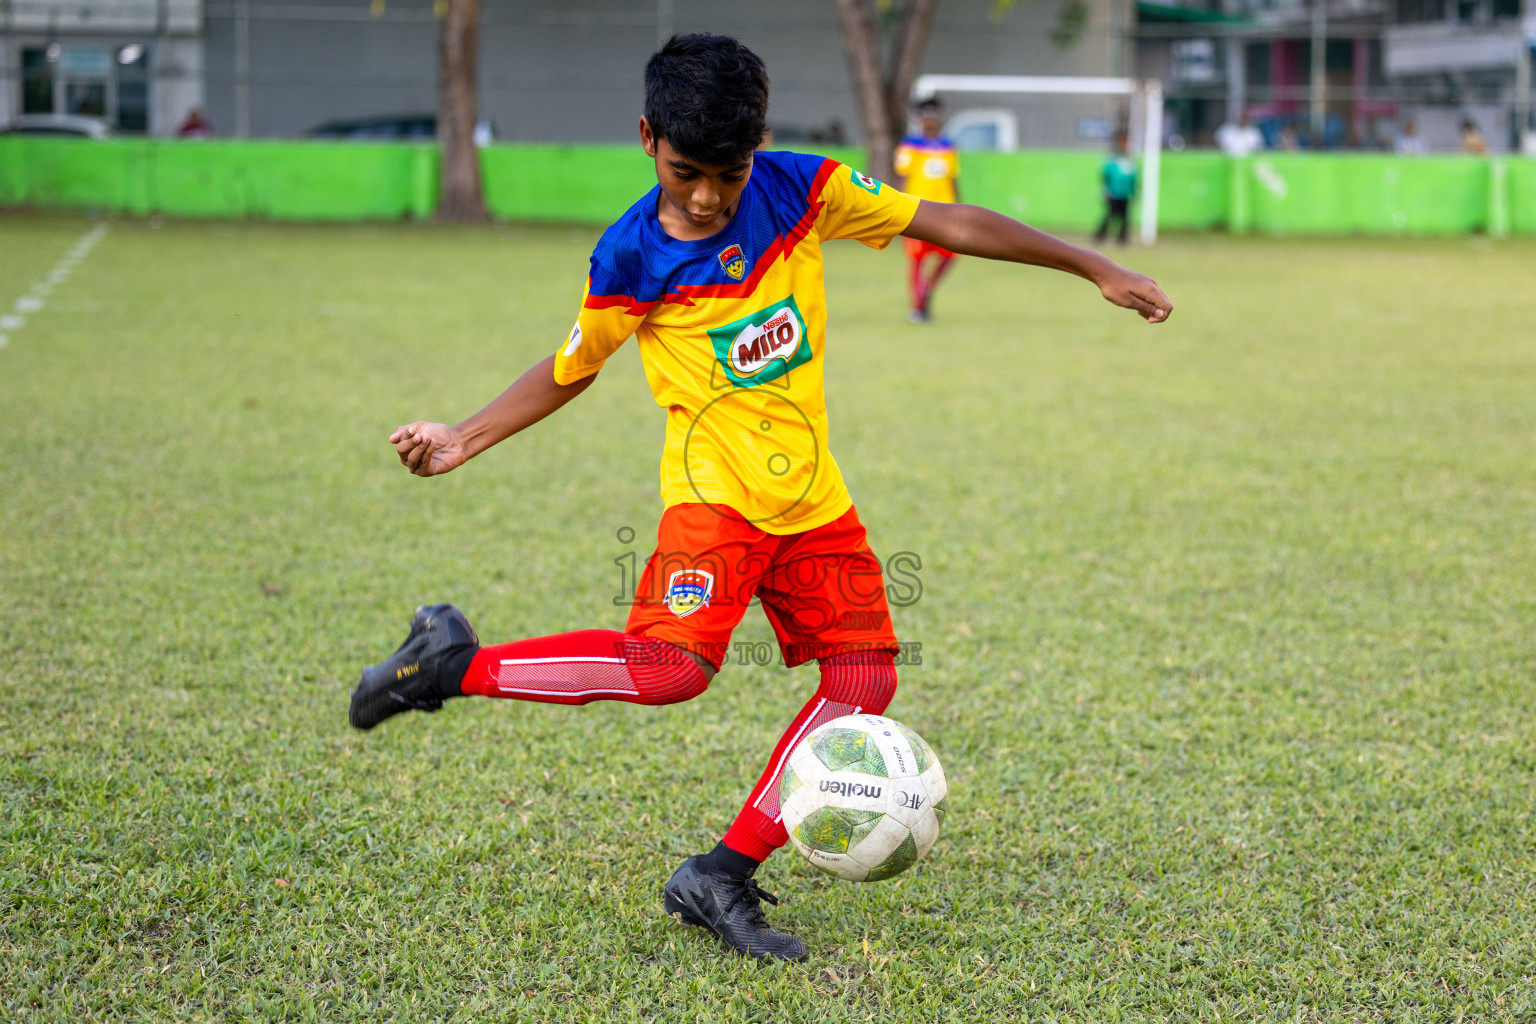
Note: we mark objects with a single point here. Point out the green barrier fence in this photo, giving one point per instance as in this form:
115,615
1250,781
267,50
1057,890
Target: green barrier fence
1059,190
590,183
1378,195
279,180
1272,193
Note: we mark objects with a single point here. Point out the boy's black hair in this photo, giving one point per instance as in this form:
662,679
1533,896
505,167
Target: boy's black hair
707,95
923,106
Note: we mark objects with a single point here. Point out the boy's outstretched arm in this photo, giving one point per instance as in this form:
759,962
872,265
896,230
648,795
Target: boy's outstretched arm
977,231
428,449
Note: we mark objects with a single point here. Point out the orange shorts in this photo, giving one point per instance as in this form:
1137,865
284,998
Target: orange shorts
822,589
917,249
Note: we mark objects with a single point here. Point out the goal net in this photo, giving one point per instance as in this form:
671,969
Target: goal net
1090,107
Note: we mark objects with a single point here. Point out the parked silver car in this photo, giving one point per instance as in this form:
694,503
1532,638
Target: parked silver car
58,124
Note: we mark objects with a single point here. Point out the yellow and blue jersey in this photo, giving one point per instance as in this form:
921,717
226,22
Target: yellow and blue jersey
732,331
930,167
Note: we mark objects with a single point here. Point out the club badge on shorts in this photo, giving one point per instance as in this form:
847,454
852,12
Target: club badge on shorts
688,590
733,261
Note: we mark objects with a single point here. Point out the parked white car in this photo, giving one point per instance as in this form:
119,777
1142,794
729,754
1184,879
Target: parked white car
58,124
984,128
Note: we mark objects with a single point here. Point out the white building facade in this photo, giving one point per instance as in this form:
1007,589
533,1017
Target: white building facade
555,70
136,64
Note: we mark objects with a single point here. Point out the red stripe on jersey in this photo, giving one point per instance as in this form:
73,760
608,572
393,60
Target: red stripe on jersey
636,307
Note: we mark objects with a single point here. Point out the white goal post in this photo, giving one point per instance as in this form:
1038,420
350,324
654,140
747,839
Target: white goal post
1149,125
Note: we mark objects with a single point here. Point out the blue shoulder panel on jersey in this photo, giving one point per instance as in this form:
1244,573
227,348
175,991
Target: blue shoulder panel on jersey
618,270
636,260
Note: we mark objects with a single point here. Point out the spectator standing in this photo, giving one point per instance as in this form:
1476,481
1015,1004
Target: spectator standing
1119,174
1409,142
195,126
1472,141
1241,139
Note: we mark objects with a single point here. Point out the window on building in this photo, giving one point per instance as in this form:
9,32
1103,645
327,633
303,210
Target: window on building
36,81
1339,55
1414,12
1256,63
88,99
132,88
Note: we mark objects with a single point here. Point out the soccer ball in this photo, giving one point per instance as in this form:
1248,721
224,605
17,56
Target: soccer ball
863,797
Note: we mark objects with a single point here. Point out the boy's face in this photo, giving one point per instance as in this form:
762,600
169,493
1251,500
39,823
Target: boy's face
703,195
930,122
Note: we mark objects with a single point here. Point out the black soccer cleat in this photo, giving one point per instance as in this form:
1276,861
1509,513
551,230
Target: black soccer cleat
408,679
730,907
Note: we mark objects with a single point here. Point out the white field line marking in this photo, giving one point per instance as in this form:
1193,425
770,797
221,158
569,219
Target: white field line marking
37,296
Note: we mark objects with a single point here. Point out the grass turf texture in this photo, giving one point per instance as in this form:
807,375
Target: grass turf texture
1226,636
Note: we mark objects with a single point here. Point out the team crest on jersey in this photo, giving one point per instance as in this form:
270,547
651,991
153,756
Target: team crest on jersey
764,346
688,590
733,261
866,183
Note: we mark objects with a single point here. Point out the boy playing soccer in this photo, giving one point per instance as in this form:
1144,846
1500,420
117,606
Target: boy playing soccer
718,273
927,167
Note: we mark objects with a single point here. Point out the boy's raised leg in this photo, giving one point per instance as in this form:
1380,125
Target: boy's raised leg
588,665
441,658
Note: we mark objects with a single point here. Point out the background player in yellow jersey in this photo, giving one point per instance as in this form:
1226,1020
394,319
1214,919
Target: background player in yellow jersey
717,272
927,167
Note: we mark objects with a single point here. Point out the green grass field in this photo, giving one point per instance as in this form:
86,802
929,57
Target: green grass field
1227,635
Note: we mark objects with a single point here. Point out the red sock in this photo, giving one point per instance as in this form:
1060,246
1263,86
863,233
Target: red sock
578,668
942,264
915,281
864,681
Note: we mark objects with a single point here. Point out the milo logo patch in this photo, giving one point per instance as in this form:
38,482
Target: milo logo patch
755,347
763,346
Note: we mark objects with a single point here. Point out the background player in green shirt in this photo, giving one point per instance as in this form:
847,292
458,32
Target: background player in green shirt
1119,174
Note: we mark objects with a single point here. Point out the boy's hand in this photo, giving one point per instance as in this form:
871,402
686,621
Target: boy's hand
1136,291
428,449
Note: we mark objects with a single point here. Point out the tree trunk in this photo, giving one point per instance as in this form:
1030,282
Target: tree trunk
861,42
882,97
460,198
907,59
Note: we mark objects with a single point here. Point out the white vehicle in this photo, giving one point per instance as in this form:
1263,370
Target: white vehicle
58,124
992,129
